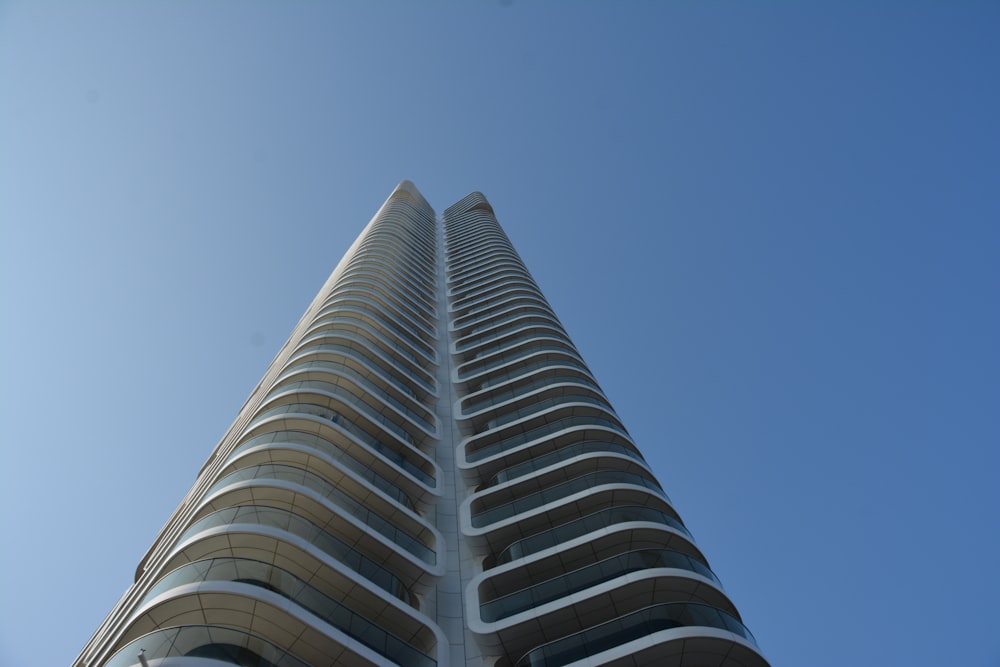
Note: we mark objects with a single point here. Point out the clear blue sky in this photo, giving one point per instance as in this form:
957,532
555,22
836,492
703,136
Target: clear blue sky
773,230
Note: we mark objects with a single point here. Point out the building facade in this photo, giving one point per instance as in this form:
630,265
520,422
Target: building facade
428,474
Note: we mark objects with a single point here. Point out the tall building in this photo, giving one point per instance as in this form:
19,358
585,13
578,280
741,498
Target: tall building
428,474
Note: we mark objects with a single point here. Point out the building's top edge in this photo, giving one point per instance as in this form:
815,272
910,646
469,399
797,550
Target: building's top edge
408,190
473,200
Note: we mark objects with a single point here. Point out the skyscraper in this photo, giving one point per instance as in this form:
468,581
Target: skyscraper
428,474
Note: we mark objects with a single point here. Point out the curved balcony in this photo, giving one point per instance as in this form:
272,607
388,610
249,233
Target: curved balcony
327,491
476,239
540,406
396,361
469,237
492,301
345,320
501,329
415,253
362,320
309,346
587,577
396,286
590,523
342,395
468,296
370,292
397,234
498,304
463,227
396,258
561,358
209,643
489,450
261,515
407,249
369,380
397,294
474,279
491,270
463,276
347,426
560,455
529,333
644,623
522,390
271,442
393,302
496,255
536,346
389,267
552,494
479,257
409,219
518,305
310,598
489,244
340,391
346,294
510,314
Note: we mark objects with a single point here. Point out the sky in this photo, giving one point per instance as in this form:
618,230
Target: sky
771,228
